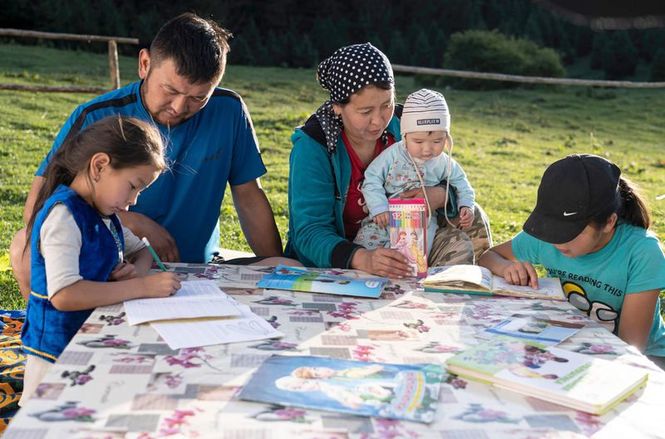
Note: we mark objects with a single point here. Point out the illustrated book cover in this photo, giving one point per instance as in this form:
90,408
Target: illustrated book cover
301,279
545,331
474,279
397,391
582,382
408,232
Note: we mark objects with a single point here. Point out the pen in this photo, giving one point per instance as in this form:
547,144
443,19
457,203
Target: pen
153,253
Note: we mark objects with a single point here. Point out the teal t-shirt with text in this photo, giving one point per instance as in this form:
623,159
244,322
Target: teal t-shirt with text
597,283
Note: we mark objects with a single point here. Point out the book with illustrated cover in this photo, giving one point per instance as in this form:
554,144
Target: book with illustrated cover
408,231
574,380
542,330
474,279
398,391
289,278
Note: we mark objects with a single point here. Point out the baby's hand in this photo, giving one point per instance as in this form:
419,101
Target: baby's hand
161,284
465,217
521,273
123,271
381,219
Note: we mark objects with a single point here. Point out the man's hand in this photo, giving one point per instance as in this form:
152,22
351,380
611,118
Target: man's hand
256,219
123,271
160,239
382,219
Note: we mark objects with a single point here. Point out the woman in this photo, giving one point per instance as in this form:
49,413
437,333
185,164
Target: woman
329,156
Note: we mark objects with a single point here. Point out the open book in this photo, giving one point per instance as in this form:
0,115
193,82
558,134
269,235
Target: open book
574,380
310,281
399,391
473,279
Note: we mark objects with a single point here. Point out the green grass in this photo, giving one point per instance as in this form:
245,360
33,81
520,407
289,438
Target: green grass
503,139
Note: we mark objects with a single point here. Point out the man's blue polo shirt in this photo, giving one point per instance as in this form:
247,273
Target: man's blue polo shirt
215,146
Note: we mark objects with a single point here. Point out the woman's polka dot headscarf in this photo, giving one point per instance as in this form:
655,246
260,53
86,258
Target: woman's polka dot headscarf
344,73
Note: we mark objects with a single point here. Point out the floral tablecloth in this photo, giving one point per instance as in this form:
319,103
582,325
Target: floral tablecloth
117,381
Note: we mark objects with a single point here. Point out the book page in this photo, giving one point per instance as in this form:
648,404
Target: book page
200,298
188,334
549,288
462,276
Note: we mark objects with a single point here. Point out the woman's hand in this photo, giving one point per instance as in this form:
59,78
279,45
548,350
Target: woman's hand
521,273
382,262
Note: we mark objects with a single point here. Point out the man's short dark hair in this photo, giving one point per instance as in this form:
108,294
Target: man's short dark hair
197,46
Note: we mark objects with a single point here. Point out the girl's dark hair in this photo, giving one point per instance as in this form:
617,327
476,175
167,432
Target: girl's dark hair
197,46
383,85
128,142
629,206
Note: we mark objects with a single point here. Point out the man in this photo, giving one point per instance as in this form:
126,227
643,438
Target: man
209,141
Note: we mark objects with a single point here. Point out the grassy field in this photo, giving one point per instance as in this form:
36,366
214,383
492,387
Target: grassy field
503,139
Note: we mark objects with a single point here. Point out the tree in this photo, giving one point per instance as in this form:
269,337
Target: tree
304,54
600,41
619,56
658,66
328,36
398,51
421,52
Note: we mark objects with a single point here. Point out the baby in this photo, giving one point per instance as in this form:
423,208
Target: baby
416,161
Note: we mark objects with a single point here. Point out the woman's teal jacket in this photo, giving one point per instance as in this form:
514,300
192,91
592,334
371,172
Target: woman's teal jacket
318,186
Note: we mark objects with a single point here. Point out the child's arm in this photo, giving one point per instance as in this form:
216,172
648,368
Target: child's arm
637,317
373,186
466,196
501,261
382,219
85,294
466,217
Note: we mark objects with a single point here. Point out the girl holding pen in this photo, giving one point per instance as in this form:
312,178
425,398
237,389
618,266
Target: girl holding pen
80,251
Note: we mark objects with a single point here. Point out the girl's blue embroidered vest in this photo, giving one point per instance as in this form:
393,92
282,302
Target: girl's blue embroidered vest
47,330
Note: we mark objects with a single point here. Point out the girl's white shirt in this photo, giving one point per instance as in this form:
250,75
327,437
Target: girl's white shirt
60,245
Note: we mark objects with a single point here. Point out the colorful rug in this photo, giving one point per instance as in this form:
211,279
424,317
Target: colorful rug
12,363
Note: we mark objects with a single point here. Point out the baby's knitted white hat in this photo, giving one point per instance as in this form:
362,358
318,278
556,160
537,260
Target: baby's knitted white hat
425,110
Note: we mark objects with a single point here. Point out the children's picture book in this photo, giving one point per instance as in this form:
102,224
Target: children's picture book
408,231
574,380
397,391
545,331
289,278
474,279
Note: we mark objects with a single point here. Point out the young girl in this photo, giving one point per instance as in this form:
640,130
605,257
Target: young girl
590,229
416,161
82,257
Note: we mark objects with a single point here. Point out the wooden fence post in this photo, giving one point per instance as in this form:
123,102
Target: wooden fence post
113,64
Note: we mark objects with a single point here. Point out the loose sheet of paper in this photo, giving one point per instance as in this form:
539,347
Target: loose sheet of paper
200,298
188,334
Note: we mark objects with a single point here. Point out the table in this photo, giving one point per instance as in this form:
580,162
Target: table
117,381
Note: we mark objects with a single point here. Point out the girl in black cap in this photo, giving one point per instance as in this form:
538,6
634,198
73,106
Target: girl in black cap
590,229
330,154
